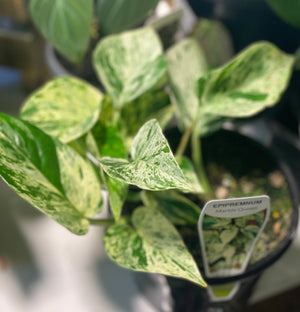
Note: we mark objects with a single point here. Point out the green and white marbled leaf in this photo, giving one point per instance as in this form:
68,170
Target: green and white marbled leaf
65,108
65,23
175,207
129,64
186,64
253,80
153,166
48,174
153,245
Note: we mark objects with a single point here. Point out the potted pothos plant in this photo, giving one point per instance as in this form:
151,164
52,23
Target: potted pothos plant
71,141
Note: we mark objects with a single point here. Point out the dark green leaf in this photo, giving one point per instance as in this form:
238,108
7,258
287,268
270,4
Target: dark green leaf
116,16
65,23
287,10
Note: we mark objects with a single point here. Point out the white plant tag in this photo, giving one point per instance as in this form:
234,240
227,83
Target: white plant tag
228,231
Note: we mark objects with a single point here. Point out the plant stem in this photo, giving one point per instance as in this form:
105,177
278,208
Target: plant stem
184,141
134,197
102,222
198,163
108,222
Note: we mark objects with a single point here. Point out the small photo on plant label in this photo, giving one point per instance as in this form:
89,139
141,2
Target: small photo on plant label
228,231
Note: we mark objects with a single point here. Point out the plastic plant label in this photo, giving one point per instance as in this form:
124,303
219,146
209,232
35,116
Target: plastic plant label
229,230
223,292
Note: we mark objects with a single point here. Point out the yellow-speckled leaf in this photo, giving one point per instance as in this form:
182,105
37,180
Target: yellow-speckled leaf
153,245
129,64
65,108
153,165
186,64
48,174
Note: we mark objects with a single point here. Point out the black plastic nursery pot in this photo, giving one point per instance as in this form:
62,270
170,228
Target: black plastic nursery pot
259,158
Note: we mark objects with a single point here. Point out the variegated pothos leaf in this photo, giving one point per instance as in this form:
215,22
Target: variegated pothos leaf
253,80
48,174
65,107
153,245
153,165
129,64
186,64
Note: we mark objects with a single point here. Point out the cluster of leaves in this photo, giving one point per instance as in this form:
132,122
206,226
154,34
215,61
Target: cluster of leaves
68,25
72,141
228,241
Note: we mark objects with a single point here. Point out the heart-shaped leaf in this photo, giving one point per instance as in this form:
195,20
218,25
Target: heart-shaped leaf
129,64
65,108
48,174
65,23
153,245
186,64
252,81
153,165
